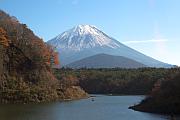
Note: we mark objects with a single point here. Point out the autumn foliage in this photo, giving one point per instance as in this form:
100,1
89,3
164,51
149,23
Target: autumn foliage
25,75
3,38
52,56
23,38
56,58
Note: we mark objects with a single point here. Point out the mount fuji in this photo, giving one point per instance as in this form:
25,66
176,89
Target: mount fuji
84,41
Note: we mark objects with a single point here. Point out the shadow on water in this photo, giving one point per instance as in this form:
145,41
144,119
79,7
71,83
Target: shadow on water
98,107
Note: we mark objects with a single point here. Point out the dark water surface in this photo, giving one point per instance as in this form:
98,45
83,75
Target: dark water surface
102,108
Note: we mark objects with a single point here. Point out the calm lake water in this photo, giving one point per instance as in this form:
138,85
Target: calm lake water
102,108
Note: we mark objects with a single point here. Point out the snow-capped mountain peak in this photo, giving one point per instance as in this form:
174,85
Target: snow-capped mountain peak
85,29
86,40
83,37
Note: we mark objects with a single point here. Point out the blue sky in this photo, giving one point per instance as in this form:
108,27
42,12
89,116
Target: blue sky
149,26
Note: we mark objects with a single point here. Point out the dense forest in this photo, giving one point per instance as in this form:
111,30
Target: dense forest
115,81
25,66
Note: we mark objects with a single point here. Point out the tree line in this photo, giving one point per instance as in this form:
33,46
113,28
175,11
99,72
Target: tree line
114,80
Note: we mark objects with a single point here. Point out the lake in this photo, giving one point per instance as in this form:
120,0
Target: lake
102,108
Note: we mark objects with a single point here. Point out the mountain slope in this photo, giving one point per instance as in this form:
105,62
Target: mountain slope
85,40
105,61
25,73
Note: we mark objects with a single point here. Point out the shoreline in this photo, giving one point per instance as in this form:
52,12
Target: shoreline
158,112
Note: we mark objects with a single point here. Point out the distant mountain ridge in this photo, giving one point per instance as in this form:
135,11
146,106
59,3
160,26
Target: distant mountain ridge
105,61
86,40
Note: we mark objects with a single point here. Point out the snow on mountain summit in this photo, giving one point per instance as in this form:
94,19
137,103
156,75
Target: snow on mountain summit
86,40
82,37
85,29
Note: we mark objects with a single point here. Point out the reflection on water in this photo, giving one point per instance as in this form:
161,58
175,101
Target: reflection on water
100,108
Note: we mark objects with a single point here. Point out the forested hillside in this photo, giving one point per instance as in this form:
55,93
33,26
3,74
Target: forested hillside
165,96
25,65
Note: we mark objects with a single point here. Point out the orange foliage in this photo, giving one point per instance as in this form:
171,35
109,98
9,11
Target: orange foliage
23,38
52,56
56,58
3,38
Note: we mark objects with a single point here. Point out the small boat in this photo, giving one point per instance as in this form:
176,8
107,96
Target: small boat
92,99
